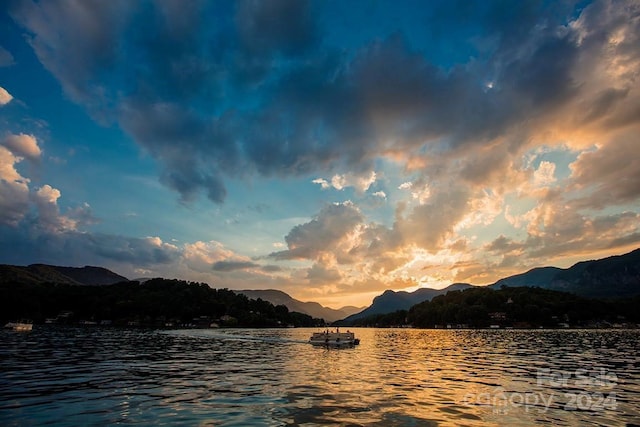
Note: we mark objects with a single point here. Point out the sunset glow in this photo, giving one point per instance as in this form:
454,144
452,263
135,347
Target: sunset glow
331,150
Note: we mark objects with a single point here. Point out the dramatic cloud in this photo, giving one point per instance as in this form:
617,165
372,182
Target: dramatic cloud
33,226
14,188
328,232
441,145
75,41
260,96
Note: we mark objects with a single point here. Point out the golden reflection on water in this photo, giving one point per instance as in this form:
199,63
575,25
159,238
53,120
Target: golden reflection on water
463,377
274,377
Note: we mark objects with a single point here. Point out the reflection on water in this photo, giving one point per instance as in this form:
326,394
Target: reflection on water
78,376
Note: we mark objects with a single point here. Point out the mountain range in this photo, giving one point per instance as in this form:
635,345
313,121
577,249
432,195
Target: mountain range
612,277
391,301
313,309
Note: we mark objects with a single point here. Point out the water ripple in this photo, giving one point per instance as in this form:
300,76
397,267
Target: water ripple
396,377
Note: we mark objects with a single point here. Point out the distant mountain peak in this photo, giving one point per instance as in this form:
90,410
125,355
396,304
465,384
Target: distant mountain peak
614,276
43,273
390,301
313,309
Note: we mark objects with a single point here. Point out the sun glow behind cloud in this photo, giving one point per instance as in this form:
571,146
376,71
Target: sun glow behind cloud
330,164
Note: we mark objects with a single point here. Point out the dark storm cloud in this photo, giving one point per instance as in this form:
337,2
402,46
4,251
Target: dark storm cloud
75,40
312,120
213,90
543,80
194,151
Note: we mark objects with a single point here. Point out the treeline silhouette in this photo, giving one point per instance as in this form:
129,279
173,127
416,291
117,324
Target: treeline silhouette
156,302
520,307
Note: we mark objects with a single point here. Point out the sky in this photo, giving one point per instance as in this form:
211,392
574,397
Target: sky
329,149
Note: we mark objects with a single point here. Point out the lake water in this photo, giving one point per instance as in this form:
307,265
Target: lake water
93,376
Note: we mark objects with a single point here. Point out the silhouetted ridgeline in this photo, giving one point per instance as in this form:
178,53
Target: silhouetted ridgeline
538,297
43,273
157,302
521,307
391,301
612,277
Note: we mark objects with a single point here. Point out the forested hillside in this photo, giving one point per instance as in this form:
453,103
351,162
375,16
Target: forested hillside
519,307
156,302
